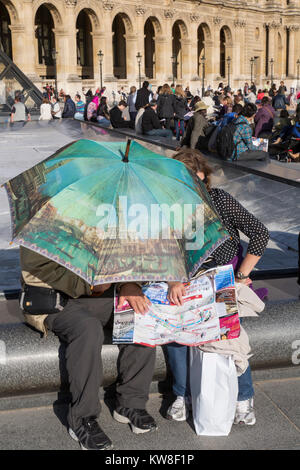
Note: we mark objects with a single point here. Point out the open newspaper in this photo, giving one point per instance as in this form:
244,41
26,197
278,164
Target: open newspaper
209,313
261,144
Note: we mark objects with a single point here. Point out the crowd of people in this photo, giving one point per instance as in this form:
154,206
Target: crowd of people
245,124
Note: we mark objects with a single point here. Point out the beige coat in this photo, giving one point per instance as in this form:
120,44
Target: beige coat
239,348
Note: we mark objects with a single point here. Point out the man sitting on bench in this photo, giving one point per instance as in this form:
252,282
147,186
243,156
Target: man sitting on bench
116,118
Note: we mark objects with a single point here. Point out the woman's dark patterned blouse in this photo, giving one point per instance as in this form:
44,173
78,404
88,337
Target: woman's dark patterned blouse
236,218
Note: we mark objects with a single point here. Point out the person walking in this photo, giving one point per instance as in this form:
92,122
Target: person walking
180,110
279,100
131,100
143,96
165,105
151,125
235,219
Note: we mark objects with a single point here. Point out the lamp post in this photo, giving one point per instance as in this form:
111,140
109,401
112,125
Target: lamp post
54,56
203,73
252,60
174,63
272,70
100,56
298,74
228,68
139,60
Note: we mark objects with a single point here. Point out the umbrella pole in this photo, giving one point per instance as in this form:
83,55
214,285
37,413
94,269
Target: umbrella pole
125,158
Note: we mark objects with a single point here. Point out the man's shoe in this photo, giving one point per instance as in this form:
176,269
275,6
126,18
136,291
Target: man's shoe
90,436
178,411
244,413
139,420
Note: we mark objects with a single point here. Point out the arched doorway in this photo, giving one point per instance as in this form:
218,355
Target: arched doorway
45,41
5,34
84,43
200,47
149,48
119,48
225,49
179,32
222,53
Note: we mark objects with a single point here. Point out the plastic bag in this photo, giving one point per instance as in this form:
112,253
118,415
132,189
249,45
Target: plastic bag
214,390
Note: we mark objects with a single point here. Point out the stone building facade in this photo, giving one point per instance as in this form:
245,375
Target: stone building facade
266,31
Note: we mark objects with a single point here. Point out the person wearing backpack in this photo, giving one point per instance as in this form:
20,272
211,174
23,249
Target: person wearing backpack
216,142
244,148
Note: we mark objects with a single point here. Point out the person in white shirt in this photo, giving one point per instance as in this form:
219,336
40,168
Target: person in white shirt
56,111
207,99
45,110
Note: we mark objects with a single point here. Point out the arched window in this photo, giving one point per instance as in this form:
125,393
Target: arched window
201,47
177,51
149,48
5,34
84,43
222,53
44,35
119,48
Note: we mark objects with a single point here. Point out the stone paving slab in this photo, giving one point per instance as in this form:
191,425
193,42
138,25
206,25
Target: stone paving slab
274,430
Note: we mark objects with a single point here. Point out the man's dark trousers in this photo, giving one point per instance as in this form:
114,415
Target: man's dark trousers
80,326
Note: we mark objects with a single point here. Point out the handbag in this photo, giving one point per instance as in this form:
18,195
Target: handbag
214,390
42,300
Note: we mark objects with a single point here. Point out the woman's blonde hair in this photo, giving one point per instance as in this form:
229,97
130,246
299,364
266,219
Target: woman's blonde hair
195,162
179,91
165,89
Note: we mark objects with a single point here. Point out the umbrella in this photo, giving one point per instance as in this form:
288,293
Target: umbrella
111,211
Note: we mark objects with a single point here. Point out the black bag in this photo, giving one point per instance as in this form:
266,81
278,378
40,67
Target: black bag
224,142
42,300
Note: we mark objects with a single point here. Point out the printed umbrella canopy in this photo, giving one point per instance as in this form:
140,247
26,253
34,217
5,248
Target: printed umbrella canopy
111,218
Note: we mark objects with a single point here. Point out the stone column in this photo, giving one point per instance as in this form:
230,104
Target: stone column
162,59
99,44
168,52
140,11
215,50
67,59
187,65
293,57
23,41
193,49
131,61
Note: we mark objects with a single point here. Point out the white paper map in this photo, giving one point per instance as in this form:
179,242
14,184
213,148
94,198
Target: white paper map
209,313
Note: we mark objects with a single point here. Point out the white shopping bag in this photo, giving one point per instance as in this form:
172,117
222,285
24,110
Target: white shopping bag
214,389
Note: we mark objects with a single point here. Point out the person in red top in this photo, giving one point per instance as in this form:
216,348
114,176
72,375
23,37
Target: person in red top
260,95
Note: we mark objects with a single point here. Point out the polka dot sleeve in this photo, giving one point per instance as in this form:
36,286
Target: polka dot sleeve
236,218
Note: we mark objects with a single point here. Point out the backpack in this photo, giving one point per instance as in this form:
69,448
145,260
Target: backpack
224,142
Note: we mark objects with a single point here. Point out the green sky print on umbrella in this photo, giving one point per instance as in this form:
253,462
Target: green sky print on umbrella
109,220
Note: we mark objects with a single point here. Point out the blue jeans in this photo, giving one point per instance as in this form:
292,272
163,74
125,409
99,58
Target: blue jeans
179,126
160,132
103,122
178,358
